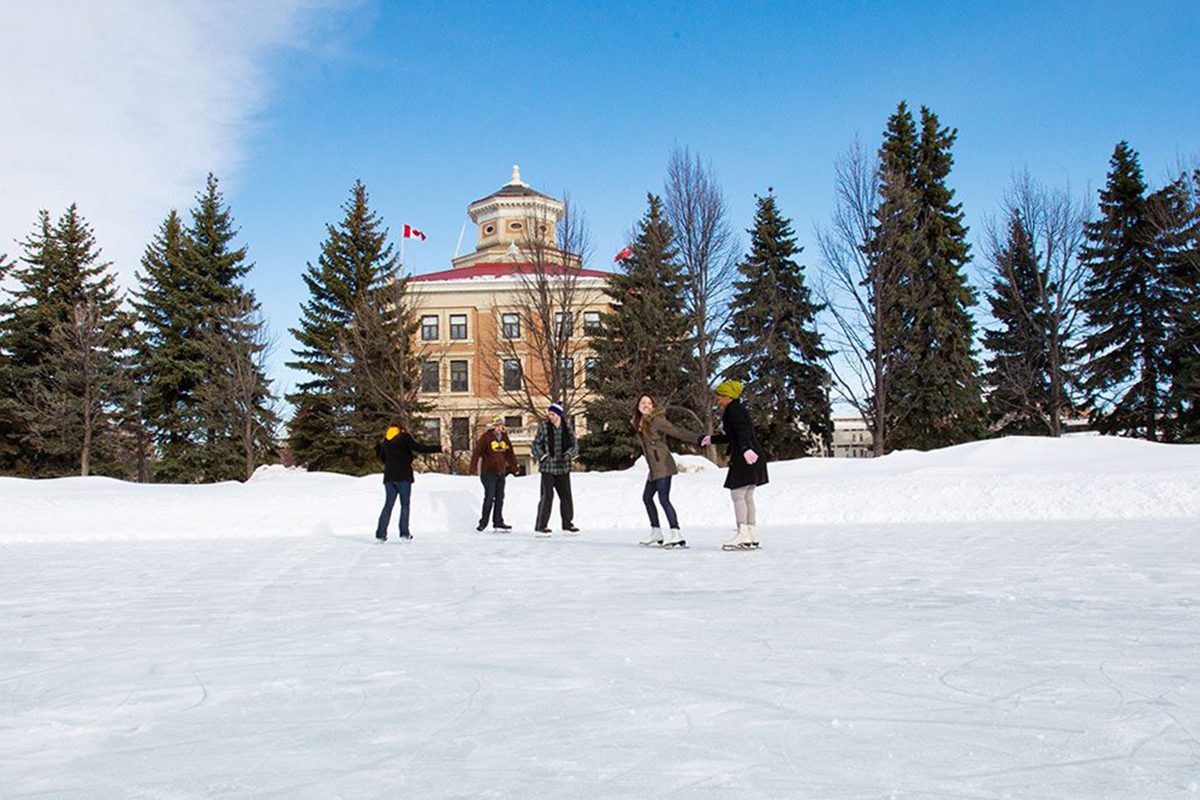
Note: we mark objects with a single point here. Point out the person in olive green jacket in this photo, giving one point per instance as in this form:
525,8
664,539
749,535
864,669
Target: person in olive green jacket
653,428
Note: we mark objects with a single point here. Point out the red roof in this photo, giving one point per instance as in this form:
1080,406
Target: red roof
496,269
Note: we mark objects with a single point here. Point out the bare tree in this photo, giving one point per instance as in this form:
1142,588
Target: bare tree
859,289
1055,219
708,254
382,358
549,305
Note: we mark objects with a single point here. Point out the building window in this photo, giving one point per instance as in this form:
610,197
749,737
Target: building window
429,328
512,422
512,375
458,326
458,376
431,377
431,430
511,324
589,372
460,433
515,226
566,371
563,323
591,323
488,230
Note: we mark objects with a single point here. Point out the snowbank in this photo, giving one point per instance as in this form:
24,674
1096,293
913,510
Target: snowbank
1086,478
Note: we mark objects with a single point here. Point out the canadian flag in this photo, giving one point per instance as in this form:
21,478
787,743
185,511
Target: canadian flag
626,253
412,233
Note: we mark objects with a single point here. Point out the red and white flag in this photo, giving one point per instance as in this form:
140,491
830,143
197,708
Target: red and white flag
412,233
626,253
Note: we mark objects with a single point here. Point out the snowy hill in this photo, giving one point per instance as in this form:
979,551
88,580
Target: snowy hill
1010,479
1013,619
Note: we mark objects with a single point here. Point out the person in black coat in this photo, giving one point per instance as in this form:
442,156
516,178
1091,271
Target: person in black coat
396,450
747,463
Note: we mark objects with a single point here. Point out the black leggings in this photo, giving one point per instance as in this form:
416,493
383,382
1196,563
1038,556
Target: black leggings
661,487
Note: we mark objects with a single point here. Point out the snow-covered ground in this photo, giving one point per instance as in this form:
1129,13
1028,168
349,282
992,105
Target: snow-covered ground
1014,619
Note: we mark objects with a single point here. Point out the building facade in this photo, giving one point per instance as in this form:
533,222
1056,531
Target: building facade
494,325
852,438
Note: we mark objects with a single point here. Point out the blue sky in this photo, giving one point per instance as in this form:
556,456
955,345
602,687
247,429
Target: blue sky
125,108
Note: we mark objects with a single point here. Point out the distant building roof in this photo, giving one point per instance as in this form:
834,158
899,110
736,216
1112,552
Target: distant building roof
495,269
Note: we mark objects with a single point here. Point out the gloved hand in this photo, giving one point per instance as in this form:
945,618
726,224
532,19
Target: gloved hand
750,456
705,440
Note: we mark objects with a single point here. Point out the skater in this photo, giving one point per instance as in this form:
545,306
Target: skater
493,455
653,428
747,463
555,448
396,452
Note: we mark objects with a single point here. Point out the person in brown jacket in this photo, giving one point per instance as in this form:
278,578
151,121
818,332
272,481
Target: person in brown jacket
653,428
493,456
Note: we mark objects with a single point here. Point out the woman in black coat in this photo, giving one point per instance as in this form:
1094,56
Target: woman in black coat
396,452
747,463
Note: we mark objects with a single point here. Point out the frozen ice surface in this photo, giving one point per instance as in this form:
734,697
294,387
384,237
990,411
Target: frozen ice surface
1016,619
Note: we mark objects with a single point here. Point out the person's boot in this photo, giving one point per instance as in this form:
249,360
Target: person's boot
754,536
654,538
501,526
570,528
481,526
742,541
675,539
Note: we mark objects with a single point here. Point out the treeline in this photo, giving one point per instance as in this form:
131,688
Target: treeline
166,384
1078,315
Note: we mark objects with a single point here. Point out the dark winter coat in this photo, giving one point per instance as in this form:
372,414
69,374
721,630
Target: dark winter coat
495,453
738,433
654,443
397,456
554,447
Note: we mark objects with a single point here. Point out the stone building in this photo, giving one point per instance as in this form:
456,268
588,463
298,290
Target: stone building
483,327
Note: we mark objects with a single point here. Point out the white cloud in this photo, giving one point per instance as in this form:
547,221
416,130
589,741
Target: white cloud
124,106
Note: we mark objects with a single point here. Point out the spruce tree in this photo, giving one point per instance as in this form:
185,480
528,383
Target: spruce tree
65,332
203,327
168,368
777,352
336,411
1174,215
933,392
645,348
229,312
1018,371
11,425
1125,302
894,255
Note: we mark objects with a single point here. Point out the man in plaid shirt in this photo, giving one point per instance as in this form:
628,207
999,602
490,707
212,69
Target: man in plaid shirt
555,448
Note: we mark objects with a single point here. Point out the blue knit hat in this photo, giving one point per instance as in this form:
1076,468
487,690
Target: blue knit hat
556,408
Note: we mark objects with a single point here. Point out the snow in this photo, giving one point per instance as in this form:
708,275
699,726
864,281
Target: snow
1009,619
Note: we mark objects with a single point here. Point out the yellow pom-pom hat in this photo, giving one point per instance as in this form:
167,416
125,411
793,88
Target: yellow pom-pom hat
392,433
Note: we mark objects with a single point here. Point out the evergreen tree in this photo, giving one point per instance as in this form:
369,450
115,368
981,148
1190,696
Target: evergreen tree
1126,302
778,352
921,244
1018,372
10,417
168,365
1174,215
193,306
646,346
337,414
65,332
894,255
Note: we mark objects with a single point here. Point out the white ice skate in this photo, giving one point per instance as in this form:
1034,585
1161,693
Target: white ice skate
674,539
654,538
744,540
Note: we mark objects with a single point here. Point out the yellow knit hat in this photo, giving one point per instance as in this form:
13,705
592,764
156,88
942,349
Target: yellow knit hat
730,389
392,433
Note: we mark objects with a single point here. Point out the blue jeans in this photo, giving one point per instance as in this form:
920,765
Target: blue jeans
493,498
403,490
661,487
